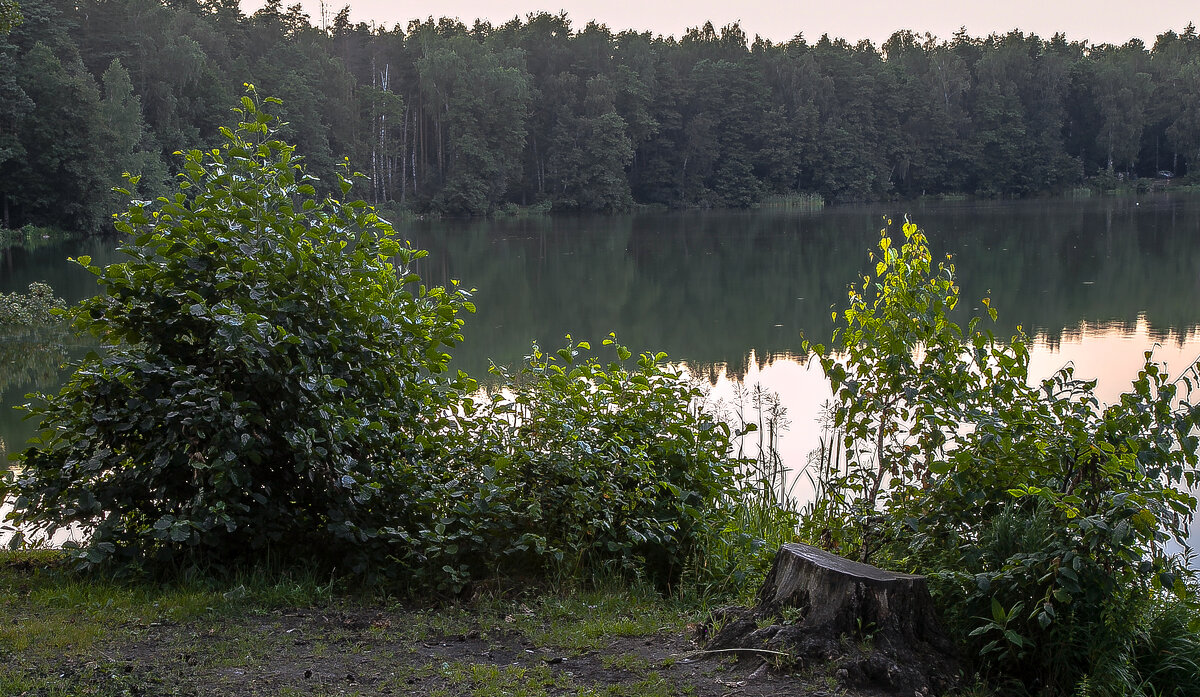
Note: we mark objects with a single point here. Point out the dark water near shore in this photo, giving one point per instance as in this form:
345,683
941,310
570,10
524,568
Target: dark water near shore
733,294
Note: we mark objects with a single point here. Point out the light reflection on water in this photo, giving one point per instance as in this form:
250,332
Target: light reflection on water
1112,355
59,538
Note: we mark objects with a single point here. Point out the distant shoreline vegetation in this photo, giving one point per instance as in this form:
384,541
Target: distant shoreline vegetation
539,115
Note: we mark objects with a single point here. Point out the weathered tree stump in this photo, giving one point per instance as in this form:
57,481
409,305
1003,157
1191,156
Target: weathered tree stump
874,628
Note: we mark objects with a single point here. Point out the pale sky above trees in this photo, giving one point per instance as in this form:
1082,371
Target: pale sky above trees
1099,21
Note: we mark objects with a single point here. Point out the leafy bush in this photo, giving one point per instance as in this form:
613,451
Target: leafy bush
274,382
272,367
576,467
29,310
1043,517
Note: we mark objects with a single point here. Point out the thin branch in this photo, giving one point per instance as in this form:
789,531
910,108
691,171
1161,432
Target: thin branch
706,652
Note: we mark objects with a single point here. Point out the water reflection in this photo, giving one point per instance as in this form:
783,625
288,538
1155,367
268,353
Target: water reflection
710,288
31,360
714,288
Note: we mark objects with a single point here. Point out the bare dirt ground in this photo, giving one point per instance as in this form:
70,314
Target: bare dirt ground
364,651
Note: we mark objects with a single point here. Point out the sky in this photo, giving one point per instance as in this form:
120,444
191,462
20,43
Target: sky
1098,21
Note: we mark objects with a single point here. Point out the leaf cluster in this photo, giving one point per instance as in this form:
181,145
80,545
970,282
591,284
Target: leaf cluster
625,460
32,309
577,468
271,365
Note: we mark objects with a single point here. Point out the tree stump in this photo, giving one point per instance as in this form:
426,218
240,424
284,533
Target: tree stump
873,628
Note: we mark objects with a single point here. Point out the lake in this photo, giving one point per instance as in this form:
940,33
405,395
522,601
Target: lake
733,294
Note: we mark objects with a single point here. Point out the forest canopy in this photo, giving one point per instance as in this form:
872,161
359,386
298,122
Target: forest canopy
456,119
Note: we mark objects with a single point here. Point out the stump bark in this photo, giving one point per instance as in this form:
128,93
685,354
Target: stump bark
874,628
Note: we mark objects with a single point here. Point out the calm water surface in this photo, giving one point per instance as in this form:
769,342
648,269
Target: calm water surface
733,294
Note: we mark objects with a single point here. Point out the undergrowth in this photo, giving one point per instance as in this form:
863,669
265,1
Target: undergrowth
1042,517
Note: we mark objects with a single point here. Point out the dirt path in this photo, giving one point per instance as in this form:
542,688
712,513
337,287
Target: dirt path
364,651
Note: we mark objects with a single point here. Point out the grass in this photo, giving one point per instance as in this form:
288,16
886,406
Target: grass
493,680
587,620
289,633
951,197
539,681
512,210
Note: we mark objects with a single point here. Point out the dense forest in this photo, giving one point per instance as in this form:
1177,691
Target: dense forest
455,119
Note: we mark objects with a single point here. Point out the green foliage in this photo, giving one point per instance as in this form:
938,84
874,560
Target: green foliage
55,176
457,119
29,310
30,237
1043,516
271,370
1166,651
761,514
10,15
581,468
806,202
478,101
451,118
273,385
131,149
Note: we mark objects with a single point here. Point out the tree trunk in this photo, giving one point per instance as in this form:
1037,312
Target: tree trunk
404,156
848,597
873,628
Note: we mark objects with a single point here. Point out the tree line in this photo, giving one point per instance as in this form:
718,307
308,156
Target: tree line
448,118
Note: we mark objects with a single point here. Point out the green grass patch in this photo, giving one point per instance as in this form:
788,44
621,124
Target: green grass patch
106,679
87,634
590,619
485,680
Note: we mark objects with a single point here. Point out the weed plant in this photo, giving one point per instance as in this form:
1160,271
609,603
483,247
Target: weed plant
762,510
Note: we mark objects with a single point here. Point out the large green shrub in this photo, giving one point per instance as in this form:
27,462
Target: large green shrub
272,383
618,464
271,373
1045,518
577,467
